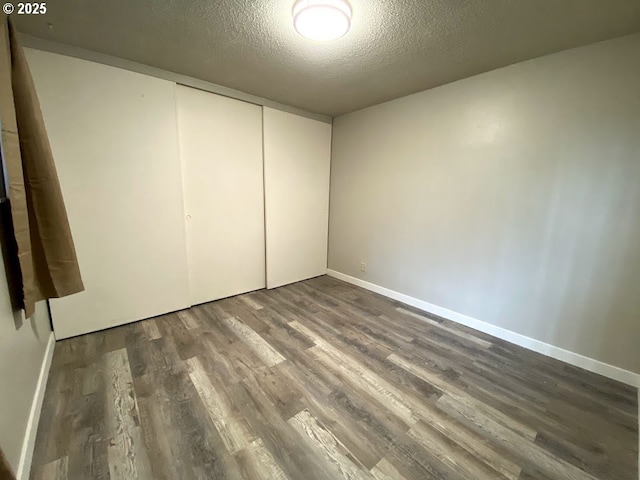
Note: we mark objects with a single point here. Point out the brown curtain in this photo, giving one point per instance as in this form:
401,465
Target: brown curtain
46,254
5,470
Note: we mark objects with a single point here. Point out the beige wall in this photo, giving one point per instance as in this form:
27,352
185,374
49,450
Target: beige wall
512,197
22,352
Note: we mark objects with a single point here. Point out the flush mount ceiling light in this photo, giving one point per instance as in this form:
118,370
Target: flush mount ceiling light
322,19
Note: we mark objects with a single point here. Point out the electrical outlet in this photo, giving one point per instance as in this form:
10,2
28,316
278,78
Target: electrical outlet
363,267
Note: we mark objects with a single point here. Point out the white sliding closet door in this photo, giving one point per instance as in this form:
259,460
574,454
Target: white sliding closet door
297,155
113,135
221,152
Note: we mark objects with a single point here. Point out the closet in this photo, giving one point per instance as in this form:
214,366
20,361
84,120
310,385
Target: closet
296,175
221,152
113,136
177,196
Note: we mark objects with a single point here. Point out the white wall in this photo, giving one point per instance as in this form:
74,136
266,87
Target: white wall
22,350
512,197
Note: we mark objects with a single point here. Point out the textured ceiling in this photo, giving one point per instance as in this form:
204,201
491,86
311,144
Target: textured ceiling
395,47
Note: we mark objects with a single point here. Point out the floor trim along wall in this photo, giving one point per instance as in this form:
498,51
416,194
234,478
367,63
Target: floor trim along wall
616,373
24,468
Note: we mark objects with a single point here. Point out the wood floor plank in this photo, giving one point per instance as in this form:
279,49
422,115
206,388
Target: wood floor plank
296,458
230,363
258,463
186,341
201,450
511,441
356,422
323,380
158,436
254,458
284,395
88,445
56,470
365,425
400,405
330,446
231,428
269,355
405,408
365,380
375,359
248,299
384,470
249,315
463,397
150,328
473,444
452,454
188,319
411,460
55,406
124,462
126,451
454,331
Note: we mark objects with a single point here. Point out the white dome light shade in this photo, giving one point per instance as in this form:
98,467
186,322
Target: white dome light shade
322,20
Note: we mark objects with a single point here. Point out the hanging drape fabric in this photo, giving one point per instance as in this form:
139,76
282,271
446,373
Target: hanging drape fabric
46,255
5,469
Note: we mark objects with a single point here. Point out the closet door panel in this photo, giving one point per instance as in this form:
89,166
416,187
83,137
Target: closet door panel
221,152
297,154
114,140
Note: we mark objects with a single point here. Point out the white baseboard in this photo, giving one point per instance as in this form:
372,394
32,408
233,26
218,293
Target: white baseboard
24,468
596,366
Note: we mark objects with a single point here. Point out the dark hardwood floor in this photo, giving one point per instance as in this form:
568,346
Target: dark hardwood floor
321,379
